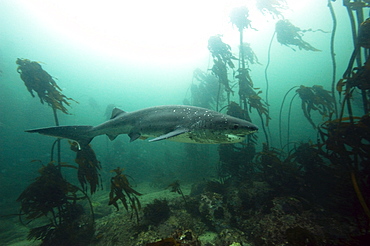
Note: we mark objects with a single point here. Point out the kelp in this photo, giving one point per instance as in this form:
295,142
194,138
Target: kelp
272,7
247,95
221,51
235,110
249,55
219,69
88,166
346,143
278,171
239,17
364,34
343,141
288,34
359,77
51,196
222,59
38,80
120,188
206,93
316,98
256,102
175,187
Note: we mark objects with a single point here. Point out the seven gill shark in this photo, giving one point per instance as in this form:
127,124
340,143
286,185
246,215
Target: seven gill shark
179,123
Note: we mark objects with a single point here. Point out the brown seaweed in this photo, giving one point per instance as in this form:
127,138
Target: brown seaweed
51,196
120,188
175,187
88,166
272,7
288,34
38,80
317,99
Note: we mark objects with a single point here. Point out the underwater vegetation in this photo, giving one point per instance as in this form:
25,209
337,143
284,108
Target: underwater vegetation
88,166
38,80
272,7
222,59
51,196
312,192
175,187
288,34
330,174
120,188
315,98
205,94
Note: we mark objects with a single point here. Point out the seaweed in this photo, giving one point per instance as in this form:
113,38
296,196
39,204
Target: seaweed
175,187
38,80
249,55
288,34
120,188
206,93
51,196
88,166
239,18
318,99
272,7
222,59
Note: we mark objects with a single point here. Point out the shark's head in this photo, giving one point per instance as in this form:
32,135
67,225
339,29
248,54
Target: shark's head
235,126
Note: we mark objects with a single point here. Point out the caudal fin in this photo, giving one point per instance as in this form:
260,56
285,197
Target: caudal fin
81,134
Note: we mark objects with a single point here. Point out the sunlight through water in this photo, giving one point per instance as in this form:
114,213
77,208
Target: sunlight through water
156,31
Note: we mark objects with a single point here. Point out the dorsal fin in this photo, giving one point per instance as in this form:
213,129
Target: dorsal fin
116,112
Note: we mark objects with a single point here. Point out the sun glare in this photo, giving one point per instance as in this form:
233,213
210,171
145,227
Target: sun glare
159,31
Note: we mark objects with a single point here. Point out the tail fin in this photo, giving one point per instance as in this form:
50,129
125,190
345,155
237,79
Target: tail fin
81,134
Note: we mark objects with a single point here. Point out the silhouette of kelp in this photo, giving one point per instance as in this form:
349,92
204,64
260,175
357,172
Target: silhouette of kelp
120,188
51,196
88,166
38,80
288,34
175,187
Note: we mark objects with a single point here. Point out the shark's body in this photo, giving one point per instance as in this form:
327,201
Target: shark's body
177,123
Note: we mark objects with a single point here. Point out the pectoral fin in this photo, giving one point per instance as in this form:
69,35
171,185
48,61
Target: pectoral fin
174,133
133,136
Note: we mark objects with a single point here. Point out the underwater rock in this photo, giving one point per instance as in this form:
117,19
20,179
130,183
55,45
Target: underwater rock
255,195
156,212
285,217
214,211
232,237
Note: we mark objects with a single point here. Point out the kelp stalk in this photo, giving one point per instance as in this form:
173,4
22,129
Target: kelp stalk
332,55
359,195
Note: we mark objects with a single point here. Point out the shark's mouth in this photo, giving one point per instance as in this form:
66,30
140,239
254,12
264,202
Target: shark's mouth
235,138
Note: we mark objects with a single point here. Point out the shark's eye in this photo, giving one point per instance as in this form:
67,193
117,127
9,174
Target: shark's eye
235,126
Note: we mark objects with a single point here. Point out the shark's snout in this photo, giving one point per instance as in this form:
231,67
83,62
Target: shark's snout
253,127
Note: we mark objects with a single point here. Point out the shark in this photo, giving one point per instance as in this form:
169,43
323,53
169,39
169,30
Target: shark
180,123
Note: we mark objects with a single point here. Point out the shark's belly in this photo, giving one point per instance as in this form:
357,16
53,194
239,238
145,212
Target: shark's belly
190,137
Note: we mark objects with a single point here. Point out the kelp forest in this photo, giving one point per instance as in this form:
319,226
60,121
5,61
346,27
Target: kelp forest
267,190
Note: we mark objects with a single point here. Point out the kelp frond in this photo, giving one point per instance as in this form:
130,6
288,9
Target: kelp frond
38,80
